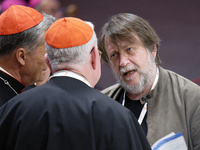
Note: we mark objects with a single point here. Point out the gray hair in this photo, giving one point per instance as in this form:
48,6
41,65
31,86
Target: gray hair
73,55
125,27
29,39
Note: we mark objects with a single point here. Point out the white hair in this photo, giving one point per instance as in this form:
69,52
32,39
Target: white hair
74,55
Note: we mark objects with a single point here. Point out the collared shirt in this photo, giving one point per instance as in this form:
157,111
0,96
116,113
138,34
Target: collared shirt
71,74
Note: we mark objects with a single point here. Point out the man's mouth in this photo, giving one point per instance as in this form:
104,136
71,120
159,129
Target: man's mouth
129,72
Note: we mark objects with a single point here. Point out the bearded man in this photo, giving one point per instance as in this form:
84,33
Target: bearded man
162,101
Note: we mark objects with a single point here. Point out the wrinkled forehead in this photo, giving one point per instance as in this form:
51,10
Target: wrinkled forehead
120,41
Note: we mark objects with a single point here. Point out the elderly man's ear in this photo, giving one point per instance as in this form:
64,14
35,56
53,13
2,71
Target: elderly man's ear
94,57
154,52
21,55
47,62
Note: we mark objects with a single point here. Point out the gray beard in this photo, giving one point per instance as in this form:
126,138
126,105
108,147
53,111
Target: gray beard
146,77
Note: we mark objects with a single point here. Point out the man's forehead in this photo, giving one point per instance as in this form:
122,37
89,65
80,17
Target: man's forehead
124,42
121,44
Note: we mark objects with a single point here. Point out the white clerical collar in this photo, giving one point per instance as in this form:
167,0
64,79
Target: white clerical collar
5,71
71,74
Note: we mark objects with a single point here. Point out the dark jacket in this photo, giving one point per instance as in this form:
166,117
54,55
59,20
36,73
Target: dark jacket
64,114
6,91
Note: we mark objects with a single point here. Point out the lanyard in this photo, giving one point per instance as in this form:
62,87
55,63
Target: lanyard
144,109
143,112
70,74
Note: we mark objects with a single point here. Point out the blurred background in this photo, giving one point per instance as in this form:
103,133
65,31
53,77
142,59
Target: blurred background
177,23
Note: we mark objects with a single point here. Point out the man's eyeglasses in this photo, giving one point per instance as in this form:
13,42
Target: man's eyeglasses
100,53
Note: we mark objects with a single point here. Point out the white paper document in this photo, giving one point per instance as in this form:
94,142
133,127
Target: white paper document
171,141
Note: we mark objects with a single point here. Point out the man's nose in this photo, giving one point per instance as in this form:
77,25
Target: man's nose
123,60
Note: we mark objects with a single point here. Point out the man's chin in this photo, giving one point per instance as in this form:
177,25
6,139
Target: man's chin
130,82
132,87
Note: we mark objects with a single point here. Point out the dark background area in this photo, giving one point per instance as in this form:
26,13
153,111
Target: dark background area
177,23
